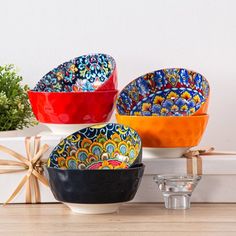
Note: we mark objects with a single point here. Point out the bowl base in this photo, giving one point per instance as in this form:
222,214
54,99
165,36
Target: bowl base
66,129
164,152
93,208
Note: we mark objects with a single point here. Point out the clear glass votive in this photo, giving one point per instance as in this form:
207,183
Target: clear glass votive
177,189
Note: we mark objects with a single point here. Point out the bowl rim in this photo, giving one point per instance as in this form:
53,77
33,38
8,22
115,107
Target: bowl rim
85,55
166,117
79,92
169,68
136,167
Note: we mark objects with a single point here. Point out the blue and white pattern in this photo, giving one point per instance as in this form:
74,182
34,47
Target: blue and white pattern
85,73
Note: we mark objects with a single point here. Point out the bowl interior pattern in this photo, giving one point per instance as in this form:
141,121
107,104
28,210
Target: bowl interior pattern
108,146
167,92
84,73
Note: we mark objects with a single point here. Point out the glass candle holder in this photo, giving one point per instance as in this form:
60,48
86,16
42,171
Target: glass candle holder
177,189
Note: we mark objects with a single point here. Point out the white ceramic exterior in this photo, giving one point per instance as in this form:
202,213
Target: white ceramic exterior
66,129
164,152
93,208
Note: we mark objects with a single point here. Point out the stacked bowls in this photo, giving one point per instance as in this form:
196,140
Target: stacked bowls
76,94
97,168
168,108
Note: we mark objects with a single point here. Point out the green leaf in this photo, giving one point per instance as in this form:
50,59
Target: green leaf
15,109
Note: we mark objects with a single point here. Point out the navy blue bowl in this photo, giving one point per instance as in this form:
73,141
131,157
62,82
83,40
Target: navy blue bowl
95,186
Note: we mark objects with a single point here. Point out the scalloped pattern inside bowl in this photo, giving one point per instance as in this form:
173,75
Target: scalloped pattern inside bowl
85,73
167,92
108,146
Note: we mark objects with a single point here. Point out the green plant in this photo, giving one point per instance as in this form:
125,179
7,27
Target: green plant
15,110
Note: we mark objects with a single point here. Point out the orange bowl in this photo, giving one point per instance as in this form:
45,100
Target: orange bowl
167,131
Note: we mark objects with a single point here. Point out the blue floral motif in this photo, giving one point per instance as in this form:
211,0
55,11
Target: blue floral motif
198,81
143,86
191,104
180,102
168,104
68,79
156,109
159,79
95,68
184,77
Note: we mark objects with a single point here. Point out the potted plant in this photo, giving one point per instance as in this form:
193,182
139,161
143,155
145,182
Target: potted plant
15,110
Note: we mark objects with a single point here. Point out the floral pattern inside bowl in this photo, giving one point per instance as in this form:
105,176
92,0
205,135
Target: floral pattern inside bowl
108,146
85,73
167,92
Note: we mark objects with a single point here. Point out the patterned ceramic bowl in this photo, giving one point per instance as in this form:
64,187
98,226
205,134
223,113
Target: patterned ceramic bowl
167,92
86,73
167,132
94,191
107,146
59,110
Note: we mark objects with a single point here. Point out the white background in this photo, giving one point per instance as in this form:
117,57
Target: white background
142,36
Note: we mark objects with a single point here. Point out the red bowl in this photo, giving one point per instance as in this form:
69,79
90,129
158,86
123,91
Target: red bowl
72,108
